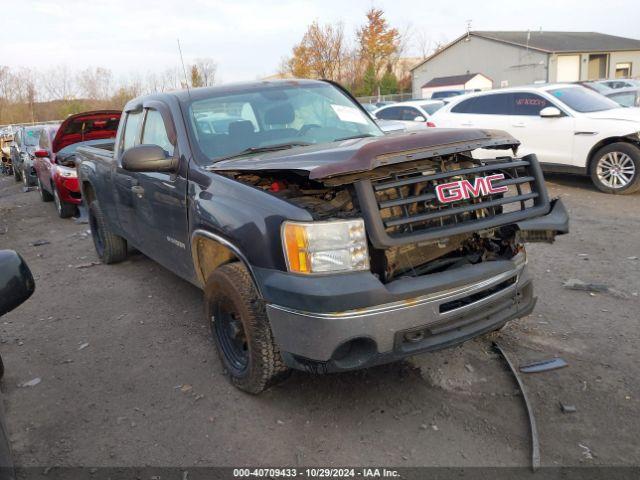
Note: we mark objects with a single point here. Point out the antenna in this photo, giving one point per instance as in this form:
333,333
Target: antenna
184,70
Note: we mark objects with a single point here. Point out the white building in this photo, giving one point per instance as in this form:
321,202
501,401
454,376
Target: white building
469,81
520,58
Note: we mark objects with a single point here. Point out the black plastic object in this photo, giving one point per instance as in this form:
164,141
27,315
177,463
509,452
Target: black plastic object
16,281
543,365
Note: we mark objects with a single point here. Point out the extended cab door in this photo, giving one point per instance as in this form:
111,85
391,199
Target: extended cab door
161,199
550,138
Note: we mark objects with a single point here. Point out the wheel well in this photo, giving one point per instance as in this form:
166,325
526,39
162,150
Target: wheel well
209,255
88,193
604,143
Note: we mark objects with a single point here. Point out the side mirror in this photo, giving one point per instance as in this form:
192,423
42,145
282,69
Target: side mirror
550,112
147,158
419,118
16,281
41,153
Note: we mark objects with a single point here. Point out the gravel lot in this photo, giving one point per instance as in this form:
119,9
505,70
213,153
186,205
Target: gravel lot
129,376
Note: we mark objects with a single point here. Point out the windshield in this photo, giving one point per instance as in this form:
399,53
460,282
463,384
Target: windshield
288,114
583,100
32,137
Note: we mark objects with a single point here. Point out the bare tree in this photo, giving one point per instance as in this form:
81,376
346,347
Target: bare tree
206,68
95,83
58,83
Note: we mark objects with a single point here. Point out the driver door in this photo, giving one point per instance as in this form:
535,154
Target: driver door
161,203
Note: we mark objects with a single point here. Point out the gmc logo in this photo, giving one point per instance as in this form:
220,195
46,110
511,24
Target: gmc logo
464,189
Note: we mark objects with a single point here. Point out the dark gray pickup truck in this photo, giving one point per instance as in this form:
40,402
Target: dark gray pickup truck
320,243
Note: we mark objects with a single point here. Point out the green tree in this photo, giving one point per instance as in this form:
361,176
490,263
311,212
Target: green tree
388,83
369,81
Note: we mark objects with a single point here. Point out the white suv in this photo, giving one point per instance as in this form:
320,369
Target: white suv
570,128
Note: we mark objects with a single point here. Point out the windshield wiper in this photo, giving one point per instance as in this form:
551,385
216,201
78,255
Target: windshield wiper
266,148
362,135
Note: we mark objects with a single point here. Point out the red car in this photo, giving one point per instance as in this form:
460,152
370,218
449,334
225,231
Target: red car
55,158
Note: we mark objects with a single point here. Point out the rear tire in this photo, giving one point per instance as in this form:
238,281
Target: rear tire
111,248
25,179
241,330
65,210
44,195
615,168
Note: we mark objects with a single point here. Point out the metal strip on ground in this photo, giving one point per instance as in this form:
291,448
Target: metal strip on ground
535,441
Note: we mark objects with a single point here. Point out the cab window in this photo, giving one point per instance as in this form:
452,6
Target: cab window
131,130
155,133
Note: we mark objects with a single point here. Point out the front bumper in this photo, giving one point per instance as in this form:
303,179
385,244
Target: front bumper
68,189
451,312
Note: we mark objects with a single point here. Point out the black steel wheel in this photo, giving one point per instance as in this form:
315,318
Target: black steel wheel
241,330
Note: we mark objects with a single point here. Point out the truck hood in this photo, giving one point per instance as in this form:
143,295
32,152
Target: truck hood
84,126
629,114
365,154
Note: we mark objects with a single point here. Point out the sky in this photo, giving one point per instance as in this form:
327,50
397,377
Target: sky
249,38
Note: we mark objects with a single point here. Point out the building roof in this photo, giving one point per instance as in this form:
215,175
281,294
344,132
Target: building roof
551,42
450,80
557,42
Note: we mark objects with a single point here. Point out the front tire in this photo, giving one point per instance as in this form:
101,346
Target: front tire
44,195
65,210
615,168
241,330
111,248
16,174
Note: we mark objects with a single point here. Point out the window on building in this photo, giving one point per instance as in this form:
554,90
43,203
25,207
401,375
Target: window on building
623,70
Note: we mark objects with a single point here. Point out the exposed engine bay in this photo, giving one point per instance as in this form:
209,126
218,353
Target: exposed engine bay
336,198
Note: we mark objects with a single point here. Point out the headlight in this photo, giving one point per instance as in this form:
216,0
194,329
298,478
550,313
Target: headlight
319,247
67,173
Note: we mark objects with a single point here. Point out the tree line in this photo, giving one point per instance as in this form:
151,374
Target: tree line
370,65
32,96
369,62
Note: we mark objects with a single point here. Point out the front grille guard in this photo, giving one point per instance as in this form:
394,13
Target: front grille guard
377,228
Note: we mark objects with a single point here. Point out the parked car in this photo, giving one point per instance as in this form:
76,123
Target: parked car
25,144
55,158
16,286
414,115
320,243
570,128
626,97
6,141
596,87
621,83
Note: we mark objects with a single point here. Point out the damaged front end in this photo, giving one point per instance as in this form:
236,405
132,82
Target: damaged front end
444,234
429,209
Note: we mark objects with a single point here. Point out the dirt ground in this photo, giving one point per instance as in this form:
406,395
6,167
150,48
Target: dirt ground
129,375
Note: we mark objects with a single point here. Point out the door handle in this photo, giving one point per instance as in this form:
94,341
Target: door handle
519,124
467,124
138,190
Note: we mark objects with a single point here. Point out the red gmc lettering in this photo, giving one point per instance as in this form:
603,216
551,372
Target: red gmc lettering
463,189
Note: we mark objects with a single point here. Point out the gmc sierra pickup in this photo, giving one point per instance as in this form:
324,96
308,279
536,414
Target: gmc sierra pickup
320,243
